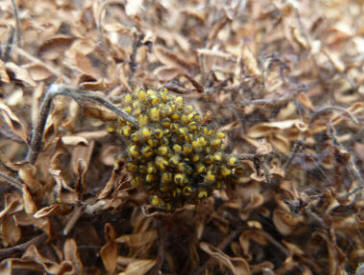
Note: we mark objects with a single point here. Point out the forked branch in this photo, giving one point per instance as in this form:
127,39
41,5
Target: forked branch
78,95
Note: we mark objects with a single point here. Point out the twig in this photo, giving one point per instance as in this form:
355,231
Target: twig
73,220
268,177
78,95
161,248
297,147
172,86
195,84
132,63
247,157
222,246
17,22
334,108
352,167
12,181
5,252
9,45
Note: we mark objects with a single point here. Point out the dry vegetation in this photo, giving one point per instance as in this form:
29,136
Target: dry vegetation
284,80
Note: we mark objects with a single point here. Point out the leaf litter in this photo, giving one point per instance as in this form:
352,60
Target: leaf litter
282,79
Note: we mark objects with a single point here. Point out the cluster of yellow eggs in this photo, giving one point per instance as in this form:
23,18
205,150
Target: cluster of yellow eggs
170,153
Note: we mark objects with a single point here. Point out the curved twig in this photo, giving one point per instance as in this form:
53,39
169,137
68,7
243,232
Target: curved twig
11,181
5,252
78,95
334,108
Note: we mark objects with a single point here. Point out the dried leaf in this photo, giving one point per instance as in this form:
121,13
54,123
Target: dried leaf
138,239
171,60
109,252
38,71
71,254
139,267
238,266
164,73
305,101
10,231
249,61
74,140
29,204
84,64
55,47
19,73
13,122
4,77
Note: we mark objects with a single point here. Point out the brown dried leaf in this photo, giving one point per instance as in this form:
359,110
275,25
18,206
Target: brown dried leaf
38,71
71,254
250,62
84,64
299,38
27,173
3,73
13,122
139,267
164,73
109,252
138,239
285,222
55,47
170,59
19,73
12,204
29,204
47,211
50,266
238,266
10,231
335,60
305,101
74,140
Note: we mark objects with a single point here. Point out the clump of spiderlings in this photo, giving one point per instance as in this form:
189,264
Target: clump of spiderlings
170,153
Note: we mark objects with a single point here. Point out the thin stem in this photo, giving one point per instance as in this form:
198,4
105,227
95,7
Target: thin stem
78,95
11,181
5,252
335,108
17,22
9,45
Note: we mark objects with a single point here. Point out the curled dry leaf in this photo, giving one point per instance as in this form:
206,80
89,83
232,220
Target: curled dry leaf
4,77
19,73
285,222
71,254
52,210
49,266
29,204
238,266
109,252
15,124
12,205
10,231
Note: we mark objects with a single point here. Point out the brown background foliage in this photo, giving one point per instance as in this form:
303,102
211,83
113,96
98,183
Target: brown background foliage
283,79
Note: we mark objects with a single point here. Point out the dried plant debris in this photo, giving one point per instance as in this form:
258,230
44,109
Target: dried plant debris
279,85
